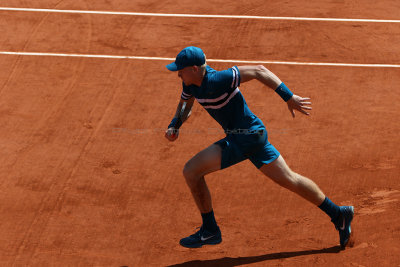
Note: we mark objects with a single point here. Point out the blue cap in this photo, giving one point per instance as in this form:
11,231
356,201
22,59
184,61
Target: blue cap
189,56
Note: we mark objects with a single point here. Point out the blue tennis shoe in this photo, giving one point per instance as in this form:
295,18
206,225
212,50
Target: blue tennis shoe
342,224
202,237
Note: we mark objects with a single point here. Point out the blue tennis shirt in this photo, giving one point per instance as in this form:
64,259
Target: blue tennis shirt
219,94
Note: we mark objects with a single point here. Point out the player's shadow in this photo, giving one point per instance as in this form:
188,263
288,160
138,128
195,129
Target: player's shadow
266,257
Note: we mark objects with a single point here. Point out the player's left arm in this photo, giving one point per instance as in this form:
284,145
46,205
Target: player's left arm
265,76
182,113
184,109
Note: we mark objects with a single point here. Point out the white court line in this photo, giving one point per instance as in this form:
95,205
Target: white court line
192,15
208,60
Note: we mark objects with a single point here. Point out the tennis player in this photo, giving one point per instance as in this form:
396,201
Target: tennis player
246,138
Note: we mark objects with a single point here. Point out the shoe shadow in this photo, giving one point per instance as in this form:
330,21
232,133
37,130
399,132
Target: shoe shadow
248,260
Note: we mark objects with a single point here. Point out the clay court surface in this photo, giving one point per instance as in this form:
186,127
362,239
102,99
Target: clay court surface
88,179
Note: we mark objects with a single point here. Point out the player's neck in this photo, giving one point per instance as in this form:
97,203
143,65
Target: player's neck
199,78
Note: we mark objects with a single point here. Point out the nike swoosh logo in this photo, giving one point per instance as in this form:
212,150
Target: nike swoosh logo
342,227
205,238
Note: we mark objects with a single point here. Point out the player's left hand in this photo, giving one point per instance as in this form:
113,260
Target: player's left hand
172,134
298,103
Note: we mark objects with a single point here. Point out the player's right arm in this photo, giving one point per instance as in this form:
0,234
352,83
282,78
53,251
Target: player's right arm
183,111
262,74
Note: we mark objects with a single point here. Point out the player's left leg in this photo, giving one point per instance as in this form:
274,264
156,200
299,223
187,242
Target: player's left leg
342,216
281,174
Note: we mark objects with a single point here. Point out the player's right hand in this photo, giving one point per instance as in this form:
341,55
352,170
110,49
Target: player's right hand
298,103
172,134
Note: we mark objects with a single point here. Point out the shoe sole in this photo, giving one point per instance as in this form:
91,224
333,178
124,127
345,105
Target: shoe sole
216,242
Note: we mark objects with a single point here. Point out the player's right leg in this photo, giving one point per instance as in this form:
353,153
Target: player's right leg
204,162
219,155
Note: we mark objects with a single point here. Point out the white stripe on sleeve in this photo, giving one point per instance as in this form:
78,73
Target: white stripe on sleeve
233,78
237,76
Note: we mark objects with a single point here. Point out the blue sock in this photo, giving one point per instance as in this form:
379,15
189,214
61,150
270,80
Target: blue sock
330,208
209,222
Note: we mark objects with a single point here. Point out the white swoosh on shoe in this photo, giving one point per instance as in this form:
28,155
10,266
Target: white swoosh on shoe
205,238
342,227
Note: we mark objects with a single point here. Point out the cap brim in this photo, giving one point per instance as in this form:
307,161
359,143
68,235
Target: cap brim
172,67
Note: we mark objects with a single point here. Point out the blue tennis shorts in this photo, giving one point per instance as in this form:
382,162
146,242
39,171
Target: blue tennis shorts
253,145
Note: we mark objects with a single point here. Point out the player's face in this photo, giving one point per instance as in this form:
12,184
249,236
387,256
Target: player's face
187,75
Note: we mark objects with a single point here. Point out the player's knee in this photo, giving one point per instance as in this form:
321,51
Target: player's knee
289,180
189,172
294,178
